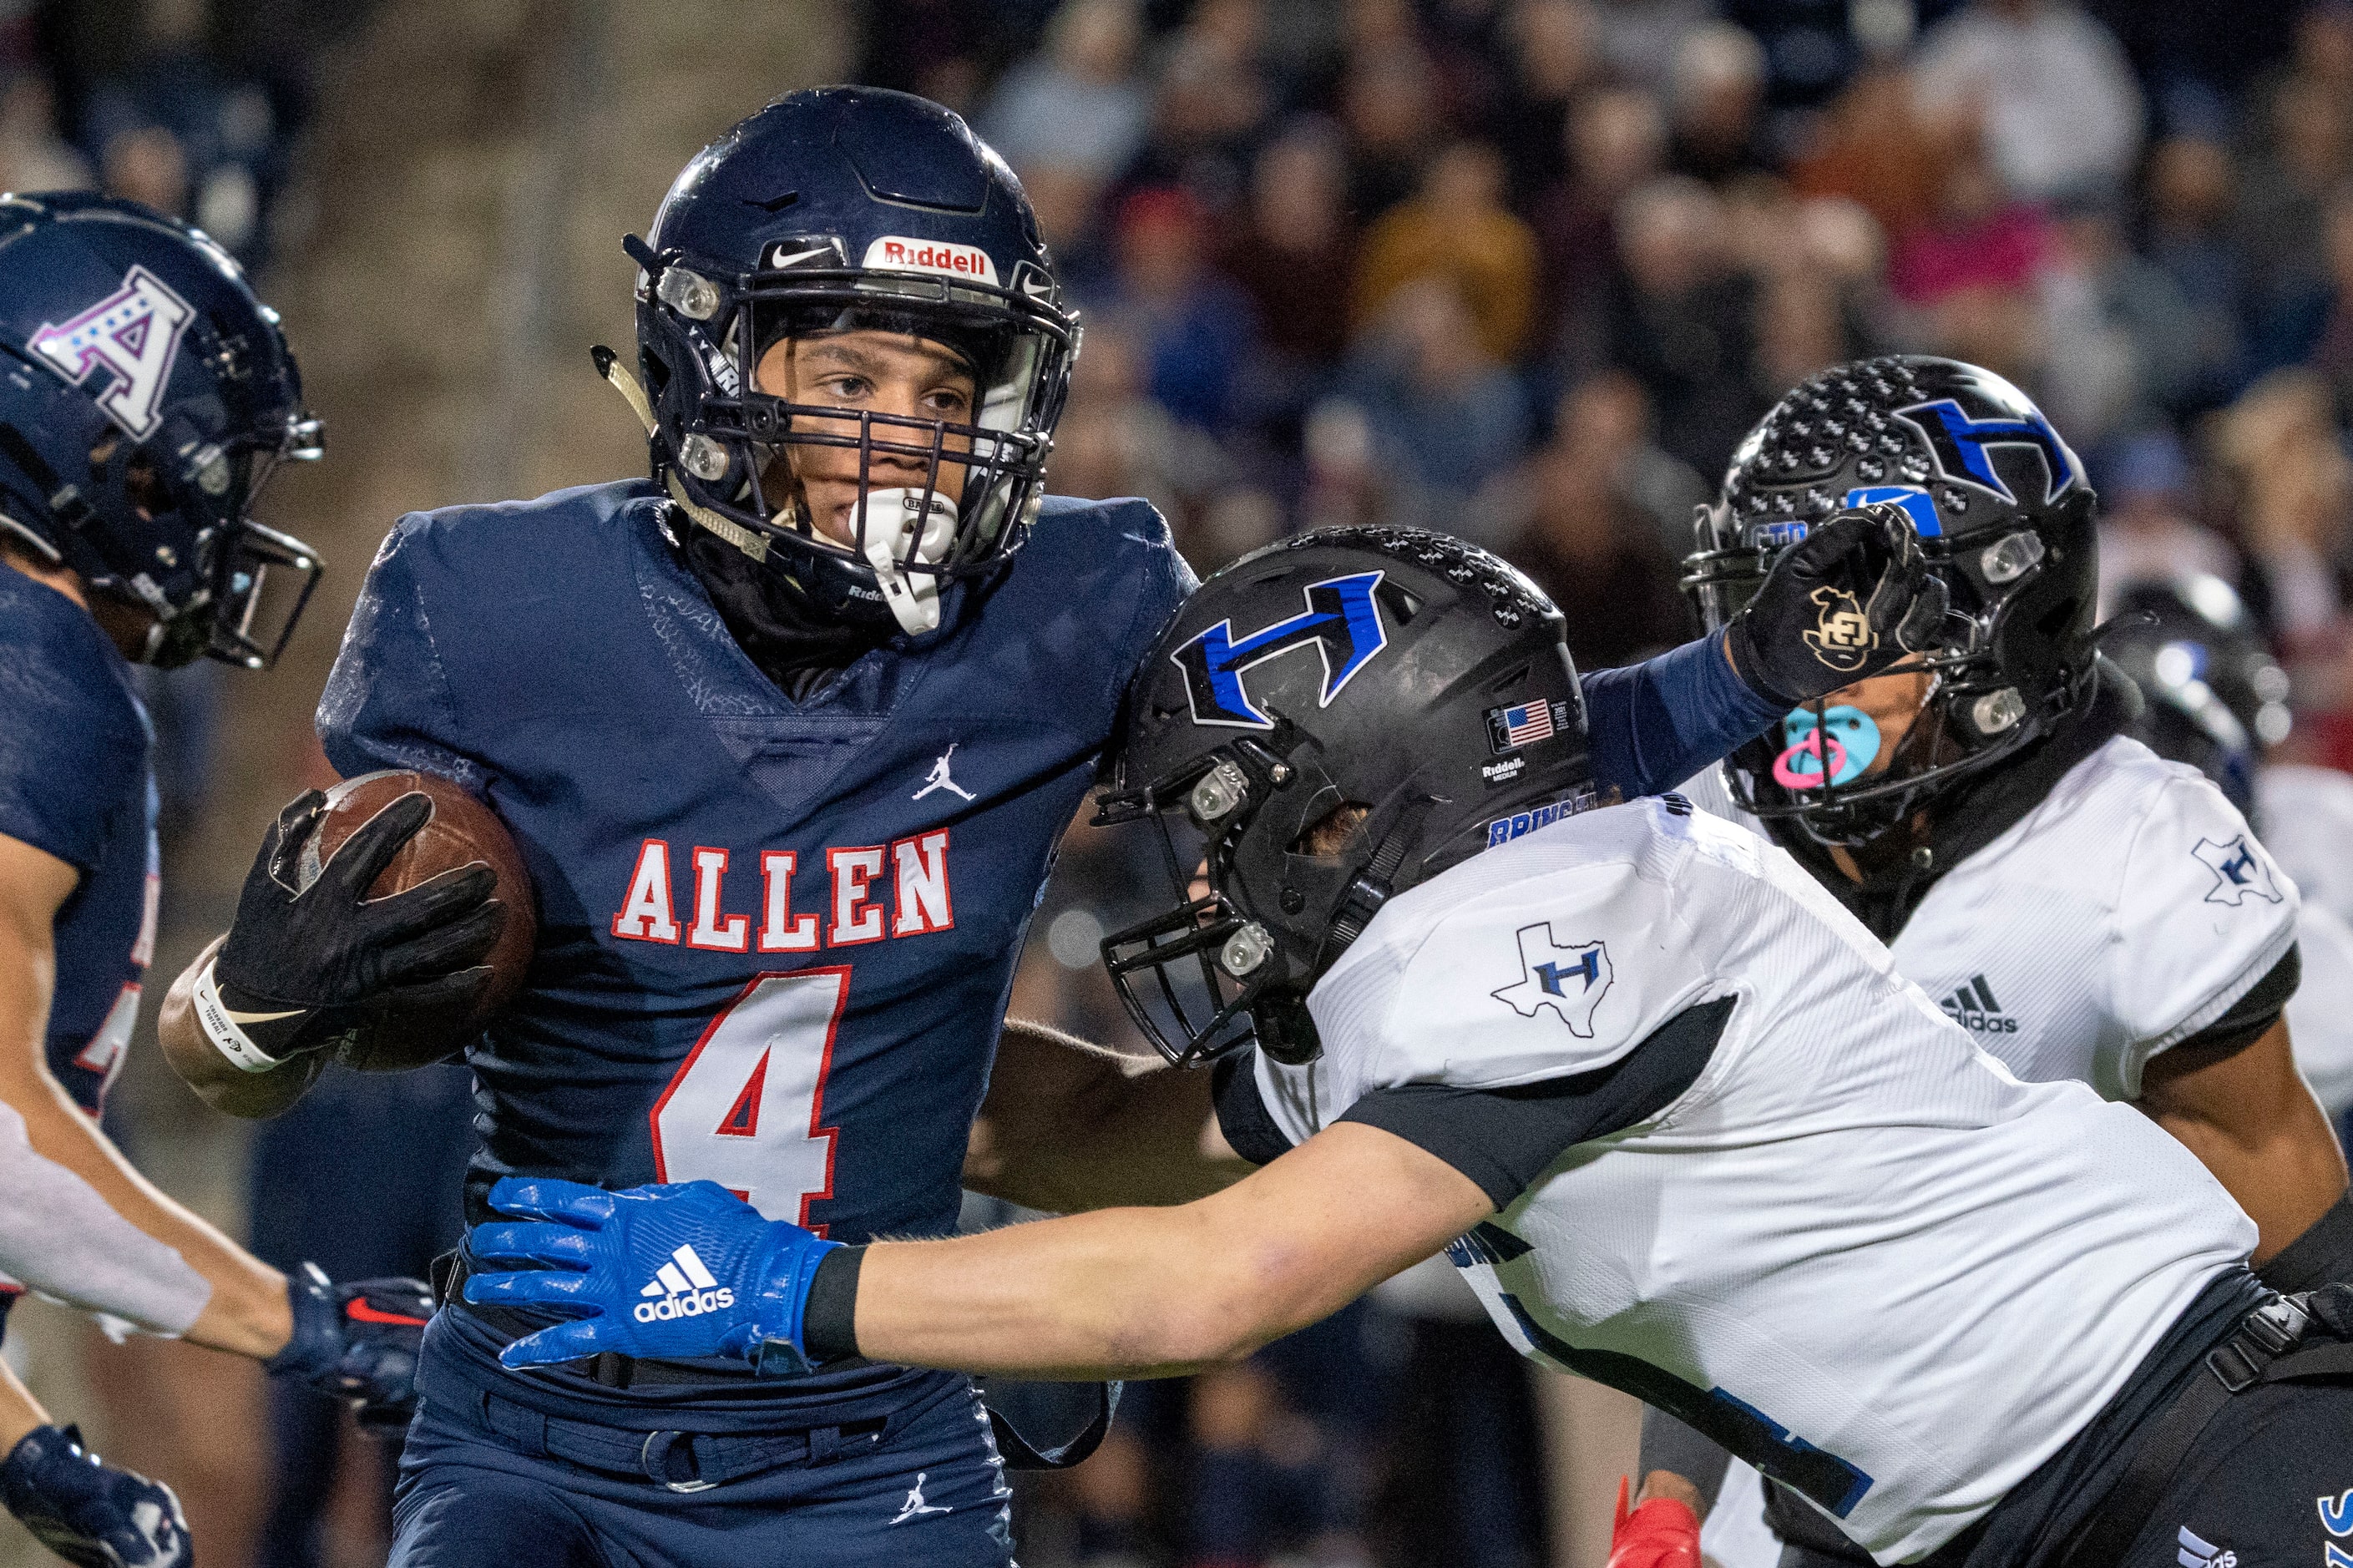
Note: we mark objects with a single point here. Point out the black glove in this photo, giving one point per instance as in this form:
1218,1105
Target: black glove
357,1342
304,968
87,1512
1842,604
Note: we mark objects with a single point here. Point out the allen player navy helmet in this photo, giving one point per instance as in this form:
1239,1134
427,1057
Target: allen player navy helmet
1417,684
2005,517
834,209
146,396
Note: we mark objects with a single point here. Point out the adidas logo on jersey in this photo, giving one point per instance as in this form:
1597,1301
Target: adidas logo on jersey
1972,1006
682,1287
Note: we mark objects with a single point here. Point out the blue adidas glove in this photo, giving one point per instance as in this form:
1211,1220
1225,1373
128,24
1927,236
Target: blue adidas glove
676,1271
357,1342
87,1512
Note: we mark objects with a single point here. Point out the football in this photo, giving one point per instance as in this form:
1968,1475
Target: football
461,831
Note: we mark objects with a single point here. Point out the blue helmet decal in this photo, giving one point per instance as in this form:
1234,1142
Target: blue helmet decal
1914,500
1960,443
1341,622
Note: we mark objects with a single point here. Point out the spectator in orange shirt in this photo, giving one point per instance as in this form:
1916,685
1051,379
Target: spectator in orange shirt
1456,229
1873,150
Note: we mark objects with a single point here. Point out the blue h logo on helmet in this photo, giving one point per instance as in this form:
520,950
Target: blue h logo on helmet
1960,444
1341,621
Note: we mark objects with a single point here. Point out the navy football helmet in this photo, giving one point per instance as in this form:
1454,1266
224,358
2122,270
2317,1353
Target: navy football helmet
147,396
2005,517
1412,677
832,210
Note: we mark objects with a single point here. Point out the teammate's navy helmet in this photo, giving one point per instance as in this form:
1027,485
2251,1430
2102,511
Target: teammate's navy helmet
1412,677
834,209
145,397
2005,517
2215,695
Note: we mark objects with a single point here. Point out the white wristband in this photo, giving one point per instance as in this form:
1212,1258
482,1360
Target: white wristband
219,1026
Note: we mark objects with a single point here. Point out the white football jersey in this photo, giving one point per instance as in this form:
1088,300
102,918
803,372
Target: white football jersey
2307,822
2127,910
1909,1275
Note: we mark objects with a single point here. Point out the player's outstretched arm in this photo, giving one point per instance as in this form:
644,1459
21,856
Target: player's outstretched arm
1156,1292
2248,1114
1118,1294
105,1238
249,1025
1068,1127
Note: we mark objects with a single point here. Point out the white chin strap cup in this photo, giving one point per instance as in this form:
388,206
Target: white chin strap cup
891,520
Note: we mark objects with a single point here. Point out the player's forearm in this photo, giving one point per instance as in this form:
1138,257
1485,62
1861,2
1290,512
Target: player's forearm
218,1081
1068,1127
2253,1120
245,1311
1120,1293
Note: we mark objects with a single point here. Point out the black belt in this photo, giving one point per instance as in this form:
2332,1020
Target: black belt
677,1461
608,1368
2269,1345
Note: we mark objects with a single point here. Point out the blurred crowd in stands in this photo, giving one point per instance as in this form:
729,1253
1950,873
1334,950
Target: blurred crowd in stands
1525,270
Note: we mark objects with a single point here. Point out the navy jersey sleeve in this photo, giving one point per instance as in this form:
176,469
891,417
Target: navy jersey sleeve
1656,723
1164,583
72,743
388,702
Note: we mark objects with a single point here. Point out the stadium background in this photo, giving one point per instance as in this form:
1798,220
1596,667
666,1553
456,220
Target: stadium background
1523,270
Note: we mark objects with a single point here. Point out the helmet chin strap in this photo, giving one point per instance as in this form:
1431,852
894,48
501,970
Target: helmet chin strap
892,517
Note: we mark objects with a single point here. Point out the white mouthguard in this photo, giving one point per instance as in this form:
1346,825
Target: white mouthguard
892,517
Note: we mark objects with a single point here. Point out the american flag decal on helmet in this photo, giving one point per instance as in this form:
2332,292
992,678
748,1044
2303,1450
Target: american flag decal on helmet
1509,729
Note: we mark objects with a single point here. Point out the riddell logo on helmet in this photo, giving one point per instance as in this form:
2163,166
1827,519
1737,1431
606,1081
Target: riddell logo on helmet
899,253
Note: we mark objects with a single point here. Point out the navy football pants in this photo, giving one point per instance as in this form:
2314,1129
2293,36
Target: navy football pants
928,1488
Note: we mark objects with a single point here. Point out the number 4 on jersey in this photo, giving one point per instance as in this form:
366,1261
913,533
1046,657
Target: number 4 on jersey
743,1108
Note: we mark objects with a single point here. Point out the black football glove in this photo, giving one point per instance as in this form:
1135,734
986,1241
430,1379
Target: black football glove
1842,604
357,1342
90,1513
304,968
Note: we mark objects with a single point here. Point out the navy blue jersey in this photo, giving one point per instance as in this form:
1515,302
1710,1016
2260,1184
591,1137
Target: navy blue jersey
75,783
775,939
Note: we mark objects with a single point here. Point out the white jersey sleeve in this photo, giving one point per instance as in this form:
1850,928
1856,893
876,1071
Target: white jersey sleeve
2202,913
1587,962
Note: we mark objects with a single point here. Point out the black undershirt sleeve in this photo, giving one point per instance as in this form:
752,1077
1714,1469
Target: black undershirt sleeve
2247,1018
830,1316
1241,1115
1504,1139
